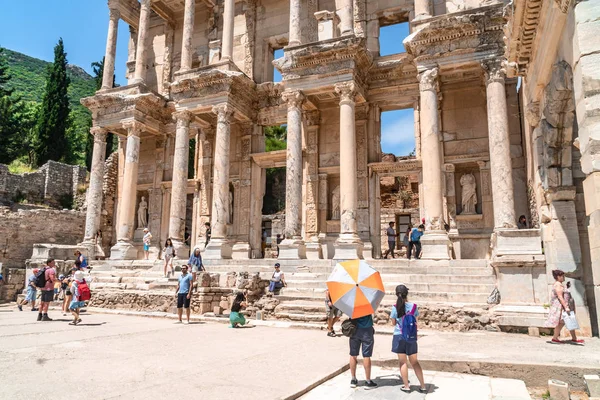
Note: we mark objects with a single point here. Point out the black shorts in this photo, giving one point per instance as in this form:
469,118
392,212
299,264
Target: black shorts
47,296
400,346
183,301
363,337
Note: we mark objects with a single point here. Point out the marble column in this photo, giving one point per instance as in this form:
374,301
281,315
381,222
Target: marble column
111,49
292,246
219,247
188,33
500,160
346,13
124,249
142,42
422,9
94,193
179,182
348,245
295,31
435,241
228,23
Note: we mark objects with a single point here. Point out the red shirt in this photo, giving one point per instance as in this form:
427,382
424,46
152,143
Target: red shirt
50,278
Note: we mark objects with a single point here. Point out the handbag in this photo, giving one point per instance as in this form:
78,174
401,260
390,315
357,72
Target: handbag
348,328
570,320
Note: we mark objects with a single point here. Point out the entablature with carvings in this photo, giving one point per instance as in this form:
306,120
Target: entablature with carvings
398,168
270,159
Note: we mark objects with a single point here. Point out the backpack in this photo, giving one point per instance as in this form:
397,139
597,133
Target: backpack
348,328
84,291
40,278
408,325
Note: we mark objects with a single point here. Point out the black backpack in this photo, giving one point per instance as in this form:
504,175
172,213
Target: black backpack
40,278
348,328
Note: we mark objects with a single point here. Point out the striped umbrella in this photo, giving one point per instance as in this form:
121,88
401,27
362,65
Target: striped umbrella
355,288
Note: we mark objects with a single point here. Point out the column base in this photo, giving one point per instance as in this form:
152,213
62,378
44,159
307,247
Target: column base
217,249
348,247
436,246
182,250
123,251
292,249
241,251
314,251
367,251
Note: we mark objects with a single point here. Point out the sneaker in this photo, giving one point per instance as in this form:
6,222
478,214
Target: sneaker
331,334
354,383
39,317
20,307
370,385
35,309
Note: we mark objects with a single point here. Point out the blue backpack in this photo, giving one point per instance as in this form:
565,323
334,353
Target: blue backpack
408,326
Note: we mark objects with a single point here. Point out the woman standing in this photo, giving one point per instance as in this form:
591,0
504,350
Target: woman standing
236,318
169,253
401,344
66,285
561,301
195,263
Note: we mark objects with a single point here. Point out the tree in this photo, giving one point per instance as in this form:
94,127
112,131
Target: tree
11,106
275,138
53,121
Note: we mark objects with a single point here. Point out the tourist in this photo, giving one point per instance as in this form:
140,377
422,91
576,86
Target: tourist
48,277
333,314
391,235
415,241
522,224
56,288
236,318
403,343
66,285
561,301
76,303
98,244
169,254
278,241
31,292
195,263
186,237
147,240
406,239
184,293
364,337
80,261
277,279
207,233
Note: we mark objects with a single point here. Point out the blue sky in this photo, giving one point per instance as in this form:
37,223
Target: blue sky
34,27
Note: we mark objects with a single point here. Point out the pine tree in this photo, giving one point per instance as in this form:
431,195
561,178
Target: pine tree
53,121
9,106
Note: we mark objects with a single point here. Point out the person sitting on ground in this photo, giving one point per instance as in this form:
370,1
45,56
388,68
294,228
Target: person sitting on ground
236,318
403,345
277,279
333,314
80,261
184,293
195,263
147,239
76,303
364,337
522,224
31,292
561,301
169,254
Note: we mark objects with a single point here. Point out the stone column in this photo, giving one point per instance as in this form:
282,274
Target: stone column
94,193
124,249
295,32
349,244
111,49
188,33
292,246
179,188
435,241
218,247
346,13
500,161
228,23
422,9
142,43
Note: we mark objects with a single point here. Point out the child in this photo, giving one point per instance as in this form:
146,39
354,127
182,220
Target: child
76,304
31,292
66,283
56,288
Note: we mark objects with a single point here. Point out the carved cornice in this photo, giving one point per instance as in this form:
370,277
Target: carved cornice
347,92
293,98
400,167
495,70
428,80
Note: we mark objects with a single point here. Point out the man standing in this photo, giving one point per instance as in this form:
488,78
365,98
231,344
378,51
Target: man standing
391,234
184,293
47,289
31,292
415,241
364,337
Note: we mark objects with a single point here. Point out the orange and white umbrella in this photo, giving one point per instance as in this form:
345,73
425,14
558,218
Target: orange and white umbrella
355,288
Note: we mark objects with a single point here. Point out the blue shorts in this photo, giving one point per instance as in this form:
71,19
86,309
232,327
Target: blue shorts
365,338
31,294
146,247
76,304
400,346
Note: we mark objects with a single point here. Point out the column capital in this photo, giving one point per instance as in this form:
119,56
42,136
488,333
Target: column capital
146,3
133,128
347,91
495,70
428,80
449,168
183,118
293,98
224,112
99,133
114,12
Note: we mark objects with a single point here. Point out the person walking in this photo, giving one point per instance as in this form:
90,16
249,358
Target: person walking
66,285
48,276
169,254
415,241
236,318
184,293
333,314
277,279
561,301
406,238
364,337
147,239
77,301
391,235
195,263
404,343
31,292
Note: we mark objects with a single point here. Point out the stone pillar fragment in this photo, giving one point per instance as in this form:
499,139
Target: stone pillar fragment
346,13
228,23
111,49
295,31
179,189
94,193
422,9
142,43
188,33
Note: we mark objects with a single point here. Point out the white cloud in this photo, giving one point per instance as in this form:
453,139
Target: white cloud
398,132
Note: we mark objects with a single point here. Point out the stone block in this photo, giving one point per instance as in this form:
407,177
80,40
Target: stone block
205,307
591,192
435,246
313,251
214,280
533,331
558,390
292,249
592,384
204,279
517,241
218,310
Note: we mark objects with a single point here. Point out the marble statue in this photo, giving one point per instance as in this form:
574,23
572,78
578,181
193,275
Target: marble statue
142,213
469,194
335,203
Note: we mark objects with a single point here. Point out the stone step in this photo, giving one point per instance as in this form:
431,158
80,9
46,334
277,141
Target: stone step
308,317
288,294
404,278
416,287
107,286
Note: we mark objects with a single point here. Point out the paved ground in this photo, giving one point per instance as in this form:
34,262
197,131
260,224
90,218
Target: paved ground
440,386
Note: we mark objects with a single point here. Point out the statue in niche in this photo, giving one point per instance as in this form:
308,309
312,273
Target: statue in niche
230,219
335,203
469,194
142,213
